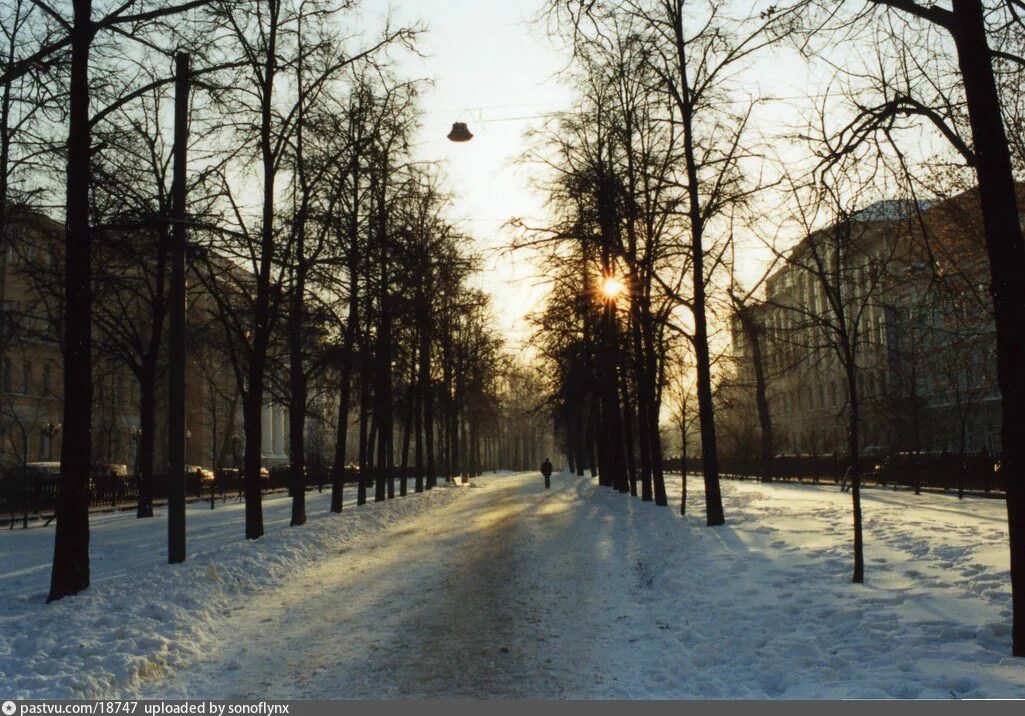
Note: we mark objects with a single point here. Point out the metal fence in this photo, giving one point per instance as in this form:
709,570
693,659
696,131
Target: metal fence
976,472
33,496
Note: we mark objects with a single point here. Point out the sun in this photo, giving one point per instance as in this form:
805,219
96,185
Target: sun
612,287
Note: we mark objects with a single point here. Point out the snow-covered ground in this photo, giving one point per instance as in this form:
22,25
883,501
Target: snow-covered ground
142,620
509,590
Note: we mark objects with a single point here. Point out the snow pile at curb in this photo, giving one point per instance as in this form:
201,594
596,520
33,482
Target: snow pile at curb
125,631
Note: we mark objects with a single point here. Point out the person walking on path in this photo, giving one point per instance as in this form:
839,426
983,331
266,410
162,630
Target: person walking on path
546,470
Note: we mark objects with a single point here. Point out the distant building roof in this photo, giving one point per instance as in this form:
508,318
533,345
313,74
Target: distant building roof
891,210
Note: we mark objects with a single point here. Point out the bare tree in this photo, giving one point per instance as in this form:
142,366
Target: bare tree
264,33
77,33
832,293
947,78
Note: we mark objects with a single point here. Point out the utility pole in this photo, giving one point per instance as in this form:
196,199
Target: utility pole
176,334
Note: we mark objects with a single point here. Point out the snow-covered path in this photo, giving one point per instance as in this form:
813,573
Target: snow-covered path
485,596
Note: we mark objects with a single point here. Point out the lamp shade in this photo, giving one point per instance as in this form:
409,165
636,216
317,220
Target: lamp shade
460,133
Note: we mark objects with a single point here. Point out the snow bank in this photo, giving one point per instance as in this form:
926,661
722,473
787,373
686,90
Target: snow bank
142,618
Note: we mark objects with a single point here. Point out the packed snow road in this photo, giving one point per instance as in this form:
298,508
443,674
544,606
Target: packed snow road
505,589
484,596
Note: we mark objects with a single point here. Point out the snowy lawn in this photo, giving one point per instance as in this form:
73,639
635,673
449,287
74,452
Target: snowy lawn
510,590
770,593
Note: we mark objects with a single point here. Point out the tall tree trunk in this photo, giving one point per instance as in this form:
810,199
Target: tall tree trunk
754,336
641,383
372,464
390,459
464,440
853,425
6,99
351,326
454,447
148,380
345,397
1007,270
71,543
580,444
364,416
709,452
407,425
418,431
176,329
297,391
592,440
683,462
297,319
424,401
432,476
629,421
382,390
567,446
653,404
147,437
261,312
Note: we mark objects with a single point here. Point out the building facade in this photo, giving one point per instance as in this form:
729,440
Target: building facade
31,377
899,293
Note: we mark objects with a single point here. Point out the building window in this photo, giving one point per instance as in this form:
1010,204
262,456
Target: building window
8,318
26,378
10,253
5,376
46,380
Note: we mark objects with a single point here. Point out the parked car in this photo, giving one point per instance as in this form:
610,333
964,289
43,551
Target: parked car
108,480
905,467
205,476
229,474
109,470
29,488
282,474
37,470
32,476
873,459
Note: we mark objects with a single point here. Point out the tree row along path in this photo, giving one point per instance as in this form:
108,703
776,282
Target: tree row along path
505,589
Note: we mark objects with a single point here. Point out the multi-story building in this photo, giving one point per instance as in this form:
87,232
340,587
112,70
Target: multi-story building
897,291
30,356
31,377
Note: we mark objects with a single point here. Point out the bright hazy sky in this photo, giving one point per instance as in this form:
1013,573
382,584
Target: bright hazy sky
493,68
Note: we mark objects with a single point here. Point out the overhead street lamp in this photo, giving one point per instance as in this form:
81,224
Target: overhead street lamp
460,133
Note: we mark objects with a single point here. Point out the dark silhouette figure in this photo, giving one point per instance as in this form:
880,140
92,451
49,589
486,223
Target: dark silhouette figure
546,470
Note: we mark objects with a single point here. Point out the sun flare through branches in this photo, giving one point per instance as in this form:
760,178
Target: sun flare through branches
612,288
